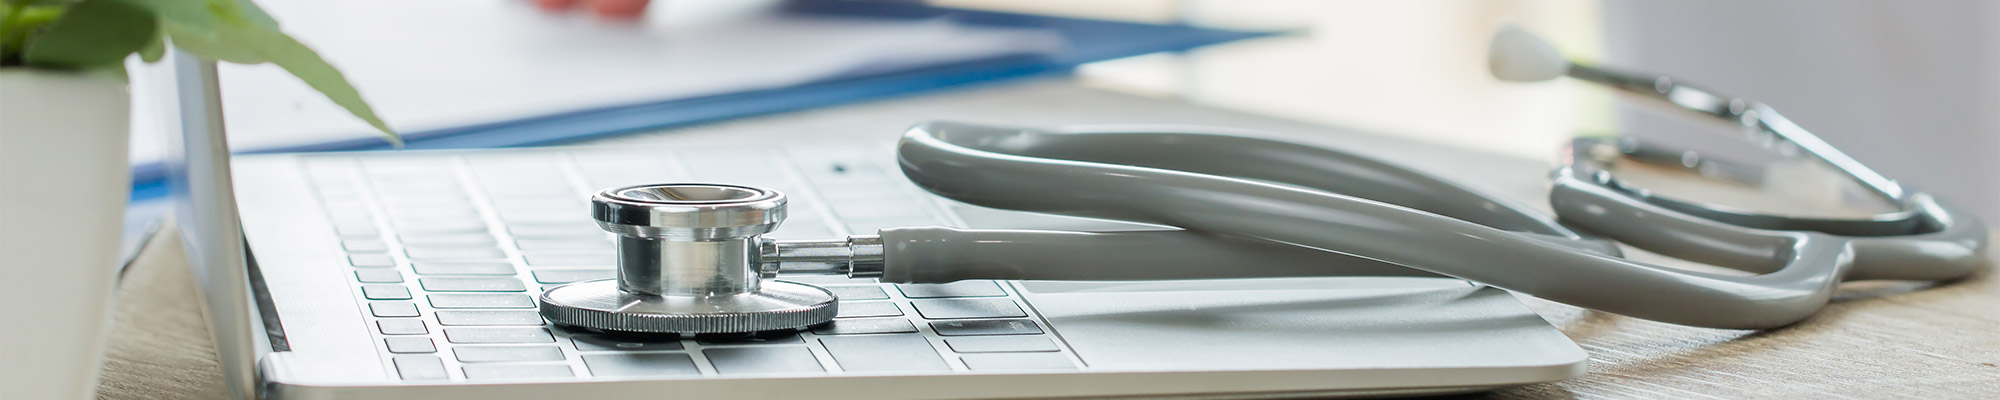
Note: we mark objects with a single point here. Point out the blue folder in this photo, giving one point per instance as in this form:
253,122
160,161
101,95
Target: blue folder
1088,41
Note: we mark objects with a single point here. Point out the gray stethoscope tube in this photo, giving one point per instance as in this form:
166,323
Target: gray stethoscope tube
1252,207
1204,183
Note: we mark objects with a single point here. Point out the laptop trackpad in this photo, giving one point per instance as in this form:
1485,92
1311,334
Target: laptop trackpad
1294,323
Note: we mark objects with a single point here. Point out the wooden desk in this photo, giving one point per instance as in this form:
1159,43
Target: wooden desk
1877,339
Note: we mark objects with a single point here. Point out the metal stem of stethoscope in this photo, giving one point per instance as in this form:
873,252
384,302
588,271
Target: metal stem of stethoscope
1757,119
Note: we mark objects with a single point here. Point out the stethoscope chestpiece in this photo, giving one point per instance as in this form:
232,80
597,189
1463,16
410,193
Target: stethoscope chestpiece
688,263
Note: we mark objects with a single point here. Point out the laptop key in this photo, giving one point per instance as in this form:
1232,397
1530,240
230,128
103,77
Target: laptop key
825,280
385,292
504,371
564,245
410,214
968,308
378,276
883,353
865,326
559,202
885,208
557,230
424,367
763,338
605,343
357,231
403,345
640,364
762,360
474,354
1016,361
867,309
481,300
858,292
449,239
438,228
559,276
954,289
349,211
1001,344
519,216
986,327
472,284
371,261
570,260
498,335
402,326
364,246
389,309
488,318
489,268
454,253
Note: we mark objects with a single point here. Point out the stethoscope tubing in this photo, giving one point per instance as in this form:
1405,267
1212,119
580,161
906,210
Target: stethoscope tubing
1241,198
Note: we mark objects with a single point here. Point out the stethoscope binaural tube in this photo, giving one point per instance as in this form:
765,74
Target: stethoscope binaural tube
1233,188
1924,239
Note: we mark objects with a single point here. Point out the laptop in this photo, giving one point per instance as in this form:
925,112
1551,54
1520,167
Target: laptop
412,274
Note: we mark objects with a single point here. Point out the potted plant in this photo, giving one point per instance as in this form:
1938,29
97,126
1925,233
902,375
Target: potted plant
64,173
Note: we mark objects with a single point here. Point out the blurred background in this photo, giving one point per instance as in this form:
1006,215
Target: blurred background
1909,88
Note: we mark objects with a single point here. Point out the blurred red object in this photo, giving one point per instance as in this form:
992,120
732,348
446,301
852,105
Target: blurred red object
611,9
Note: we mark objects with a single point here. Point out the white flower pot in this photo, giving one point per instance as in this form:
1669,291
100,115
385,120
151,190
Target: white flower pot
64,181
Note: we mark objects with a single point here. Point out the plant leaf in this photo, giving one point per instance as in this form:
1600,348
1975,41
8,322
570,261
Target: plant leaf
306,64
220,42
208,28
92,33
237,31
195,13
248,11
20,20
155,47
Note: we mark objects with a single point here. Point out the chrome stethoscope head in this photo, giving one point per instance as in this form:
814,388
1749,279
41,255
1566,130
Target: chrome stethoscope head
688,262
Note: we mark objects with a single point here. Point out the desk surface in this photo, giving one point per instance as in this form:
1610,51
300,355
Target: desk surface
1877,339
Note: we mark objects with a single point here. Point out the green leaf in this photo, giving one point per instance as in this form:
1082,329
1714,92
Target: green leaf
155,47
220,42
92,33
307,65
237,31
196,13
17,22
249,11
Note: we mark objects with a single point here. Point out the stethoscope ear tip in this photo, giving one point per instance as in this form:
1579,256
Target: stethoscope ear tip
1519,56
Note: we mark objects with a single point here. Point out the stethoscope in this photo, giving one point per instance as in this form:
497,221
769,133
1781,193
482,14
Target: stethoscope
691,258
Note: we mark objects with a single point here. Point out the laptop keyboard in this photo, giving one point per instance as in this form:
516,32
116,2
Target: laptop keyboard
447,252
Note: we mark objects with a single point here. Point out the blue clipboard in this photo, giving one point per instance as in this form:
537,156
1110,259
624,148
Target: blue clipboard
1088,41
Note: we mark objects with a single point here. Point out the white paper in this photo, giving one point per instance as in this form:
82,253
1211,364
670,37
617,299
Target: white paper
434,64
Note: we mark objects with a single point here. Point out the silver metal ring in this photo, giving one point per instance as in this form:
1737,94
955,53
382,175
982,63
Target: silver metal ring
776,305
688,211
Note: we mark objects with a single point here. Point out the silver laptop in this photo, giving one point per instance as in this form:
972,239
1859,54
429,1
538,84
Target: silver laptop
412,275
